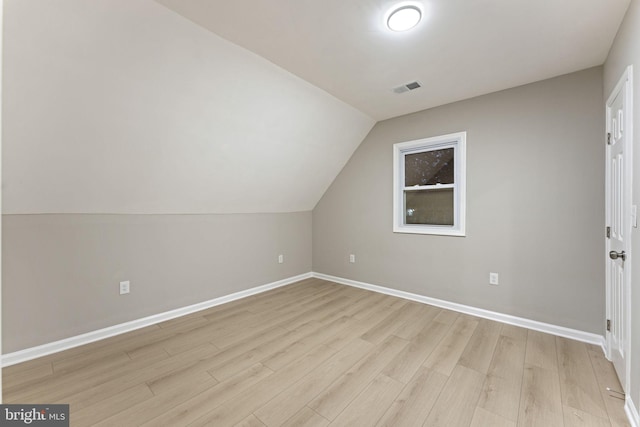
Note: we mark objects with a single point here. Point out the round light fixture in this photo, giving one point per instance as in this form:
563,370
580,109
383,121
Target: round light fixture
404,18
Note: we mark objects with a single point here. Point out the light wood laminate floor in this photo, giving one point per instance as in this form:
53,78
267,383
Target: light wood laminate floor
316,353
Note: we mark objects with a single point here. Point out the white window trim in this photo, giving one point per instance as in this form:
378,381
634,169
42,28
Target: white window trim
458,141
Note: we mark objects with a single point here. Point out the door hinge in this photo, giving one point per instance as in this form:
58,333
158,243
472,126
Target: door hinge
609,138
608,232
608,325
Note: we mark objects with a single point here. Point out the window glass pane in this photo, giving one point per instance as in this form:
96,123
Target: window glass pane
429,168
434,207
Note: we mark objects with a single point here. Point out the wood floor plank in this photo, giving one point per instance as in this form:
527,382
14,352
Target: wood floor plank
314,313
446,316
58,387
192,320
91,415
151,408
298,294
12,380
456,404
238,317
322,299
501,389
260,393
190,373
172,328
243,347
415,401
385,326
144,352
352,303
607,378
28,365
233,335
284,405
145,342
479,351
311,339
408,361
213,397
335,398
367,408
294,356
540,398
514,332
306,417
541,350
357,327
91,395
484,418
376,305
257,354
422,316
578,382
85,360
577,418
342,310
278,319
250,421
446,355
98,348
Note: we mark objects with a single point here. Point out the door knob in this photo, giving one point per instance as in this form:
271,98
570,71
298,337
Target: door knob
616,255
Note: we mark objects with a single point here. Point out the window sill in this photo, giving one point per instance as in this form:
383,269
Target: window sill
436,231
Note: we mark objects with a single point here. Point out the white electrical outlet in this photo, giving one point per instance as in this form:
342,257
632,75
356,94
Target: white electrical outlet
125,287
280,259
493,278
352,258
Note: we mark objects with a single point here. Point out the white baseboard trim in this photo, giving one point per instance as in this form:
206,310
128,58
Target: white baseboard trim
89,337
478,312
632,412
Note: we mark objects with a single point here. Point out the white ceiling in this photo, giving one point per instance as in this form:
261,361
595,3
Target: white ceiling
463,48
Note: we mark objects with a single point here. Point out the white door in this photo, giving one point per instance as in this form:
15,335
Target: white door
619,221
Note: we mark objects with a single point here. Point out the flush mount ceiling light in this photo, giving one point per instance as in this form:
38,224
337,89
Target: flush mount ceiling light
404,18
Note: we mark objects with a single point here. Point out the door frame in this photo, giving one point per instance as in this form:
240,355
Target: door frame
624,84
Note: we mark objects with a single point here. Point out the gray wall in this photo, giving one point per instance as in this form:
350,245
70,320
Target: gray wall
61,272
103,118
535,206
626,51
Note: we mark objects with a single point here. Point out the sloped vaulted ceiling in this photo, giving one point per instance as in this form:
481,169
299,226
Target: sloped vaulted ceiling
461,49
123,106
128,106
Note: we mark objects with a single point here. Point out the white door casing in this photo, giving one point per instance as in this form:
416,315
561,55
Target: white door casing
619,223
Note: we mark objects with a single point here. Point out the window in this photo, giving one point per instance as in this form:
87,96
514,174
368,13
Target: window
429,185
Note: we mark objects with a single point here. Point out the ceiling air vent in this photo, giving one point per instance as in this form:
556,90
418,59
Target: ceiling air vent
407,87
